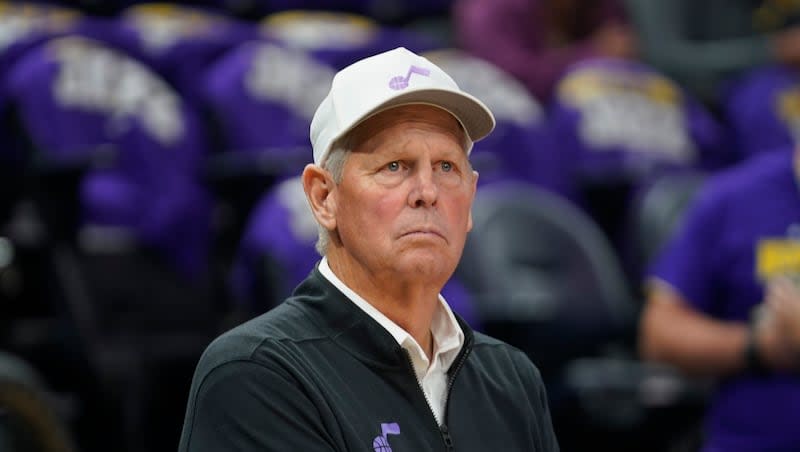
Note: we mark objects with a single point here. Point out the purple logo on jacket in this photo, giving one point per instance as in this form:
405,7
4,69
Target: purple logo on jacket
381,443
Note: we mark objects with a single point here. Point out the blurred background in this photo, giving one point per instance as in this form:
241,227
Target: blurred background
149,198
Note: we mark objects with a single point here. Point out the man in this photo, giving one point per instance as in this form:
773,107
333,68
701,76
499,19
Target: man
721,304
365,355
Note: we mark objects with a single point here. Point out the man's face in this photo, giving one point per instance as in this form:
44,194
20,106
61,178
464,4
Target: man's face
403,205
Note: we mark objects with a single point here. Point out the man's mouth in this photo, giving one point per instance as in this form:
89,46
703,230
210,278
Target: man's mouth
423,231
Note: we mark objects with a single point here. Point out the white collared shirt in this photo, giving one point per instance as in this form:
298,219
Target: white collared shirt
448,338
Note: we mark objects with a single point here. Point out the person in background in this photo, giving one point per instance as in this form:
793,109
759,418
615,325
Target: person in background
537,40
703,44
719,304
366,355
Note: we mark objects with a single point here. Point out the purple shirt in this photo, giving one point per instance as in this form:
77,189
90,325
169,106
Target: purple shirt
621,120
712,262
763,109
262,95
22,28
179,43
513,35
69,102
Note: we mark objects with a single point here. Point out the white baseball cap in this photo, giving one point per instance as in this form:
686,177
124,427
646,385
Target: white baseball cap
387,80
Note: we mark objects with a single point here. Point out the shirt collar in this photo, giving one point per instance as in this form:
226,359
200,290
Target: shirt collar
448,338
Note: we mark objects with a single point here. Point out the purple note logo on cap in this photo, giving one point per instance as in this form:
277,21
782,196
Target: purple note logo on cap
381,443
400,82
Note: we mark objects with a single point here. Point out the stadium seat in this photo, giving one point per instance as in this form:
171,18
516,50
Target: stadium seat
545,279
657,210
117,157
29,419
543,275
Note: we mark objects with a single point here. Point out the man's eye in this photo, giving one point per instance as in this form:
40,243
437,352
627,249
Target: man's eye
393,166
447,167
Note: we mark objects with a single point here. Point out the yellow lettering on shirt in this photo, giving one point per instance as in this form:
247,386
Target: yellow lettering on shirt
775,257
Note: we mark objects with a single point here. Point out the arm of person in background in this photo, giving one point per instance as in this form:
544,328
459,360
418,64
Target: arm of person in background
678,324
512,35
674,332
668,33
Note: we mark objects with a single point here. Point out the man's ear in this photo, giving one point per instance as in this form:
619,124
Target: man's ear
319,186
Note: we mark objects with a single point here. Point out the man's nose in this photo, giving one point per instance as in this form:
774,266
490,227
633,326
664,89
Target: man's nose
424,191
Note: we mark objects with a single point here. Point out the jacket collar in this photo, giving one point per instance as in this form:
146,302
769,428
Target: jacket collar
350,327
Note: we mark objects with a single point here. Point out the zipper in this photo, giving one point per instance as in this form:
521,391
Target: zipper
448,441
443,430
451,378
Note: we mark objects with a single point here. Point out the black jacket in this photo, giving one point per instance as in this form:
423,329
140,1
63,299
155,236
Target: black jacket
318,374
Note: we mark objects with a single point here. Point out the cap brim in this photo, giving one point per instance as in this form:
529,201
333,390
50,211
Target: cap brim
474,116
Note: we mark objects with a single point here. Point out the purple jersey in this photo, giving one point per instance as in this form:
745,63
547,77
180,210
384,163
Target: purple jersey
22,28
282,229
74,96
719,263
179,42
619,119
262,96
763,109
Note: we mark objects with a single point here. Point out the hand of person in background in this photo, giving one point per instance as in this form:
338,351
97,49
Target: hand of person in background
786,46
773,349
617,41
783,301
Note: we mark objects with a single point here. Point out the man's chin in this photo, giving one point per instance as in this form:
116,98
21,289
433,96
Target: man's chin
425,264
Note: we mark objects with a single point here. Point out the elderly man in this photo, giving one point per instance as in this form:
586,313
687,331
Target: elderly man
366,355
